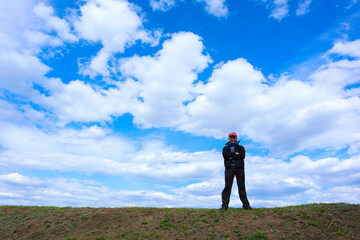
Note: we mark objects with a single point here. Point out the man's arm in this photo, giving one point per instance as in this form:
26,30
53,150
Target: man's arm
227,154
241,154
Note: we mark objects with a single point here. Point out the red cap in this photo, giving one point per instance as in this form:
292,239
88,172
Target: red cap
232,133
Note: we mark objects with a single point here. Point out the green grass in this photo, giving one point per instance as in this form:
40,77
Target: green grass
258,235
311,221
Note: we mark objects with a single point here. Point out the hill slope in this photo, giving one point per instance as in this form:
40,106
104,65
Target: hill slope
312,221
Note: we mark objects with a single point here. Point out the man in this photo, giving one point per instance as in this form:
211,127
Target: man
234,155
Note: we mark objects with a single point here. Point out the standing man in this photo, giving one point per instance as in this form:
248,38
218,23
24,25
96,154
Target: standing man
234,155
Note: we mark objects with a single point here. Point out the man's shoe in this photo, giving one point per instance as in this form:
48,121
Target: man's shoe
247,208
223,208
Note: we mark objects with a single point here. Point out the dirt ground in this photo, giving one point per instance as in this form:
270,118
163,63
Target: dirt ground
312,221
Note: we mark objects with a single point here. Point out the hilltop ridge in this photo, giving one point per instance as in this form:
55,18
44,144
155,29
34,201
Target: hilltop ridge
311,221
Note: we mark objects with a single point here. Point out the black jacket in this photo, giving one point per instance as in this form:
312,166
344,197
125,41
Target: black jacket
239,158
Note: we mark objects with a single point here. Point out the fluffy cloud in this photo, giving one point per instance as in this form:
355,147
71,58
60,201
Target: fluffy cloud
346,48
216,7
76,100
22,190
159,91
83,142
162,5
8,112
280,9
17,179
233,77
270,182
155,89
351,3
95,150
19,71
26,27
303,7
116,25
267,177
14,19
212,7
191,166
20,41
166,80
320,111
60,26
273,182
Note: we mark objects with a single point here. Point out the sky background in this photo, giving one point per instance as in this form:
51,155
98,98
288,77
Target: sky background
113,103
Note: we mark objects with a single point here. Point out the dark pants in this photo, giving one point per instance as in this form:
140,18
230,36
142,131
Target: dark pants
230,172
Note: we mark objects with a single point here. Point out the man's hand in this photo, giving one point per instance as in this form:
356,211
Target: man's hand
237,153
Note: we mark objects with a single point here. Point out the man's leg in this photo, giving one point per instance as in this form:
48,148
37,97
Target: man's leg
240,178
229,177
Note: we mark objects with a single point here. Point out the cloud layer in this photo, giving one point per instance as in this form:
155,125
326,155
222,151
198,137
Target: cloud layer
270,182
116,25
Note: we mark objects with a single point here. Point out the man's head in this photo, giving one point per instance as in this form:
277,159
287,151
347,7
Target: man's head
232,137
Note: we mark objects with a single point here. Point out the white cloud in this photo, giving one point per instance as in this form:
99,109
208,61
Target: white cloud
270,183
22,35
354,148
168,75
346,48
19,71
159,91
216,7
319,111
18,67
96,150
8,111
61,26
159,167
25,114
233,77
16,178
162,5
166,80
26,26
207,188
76,100
267,176
303,7
14,18
279,9
273,182
93,141
116,24
351,4
17,189
212,7
174,68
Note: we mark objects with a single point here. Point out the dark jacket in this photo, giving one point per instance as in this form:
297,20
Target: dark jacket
239,158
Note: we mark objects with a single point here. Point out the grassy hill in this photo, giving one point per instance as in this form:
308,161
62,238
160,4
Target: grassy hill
312,221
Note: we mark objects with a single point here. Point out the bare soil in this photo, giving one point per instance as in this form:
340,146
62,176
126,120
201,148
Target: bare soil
312,221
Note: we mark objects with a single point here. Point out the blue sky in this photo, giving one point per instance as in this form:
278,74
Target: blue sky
128,103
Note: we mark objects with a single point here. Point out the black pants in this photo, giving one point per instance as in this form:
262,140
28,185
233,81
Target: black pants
230,172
